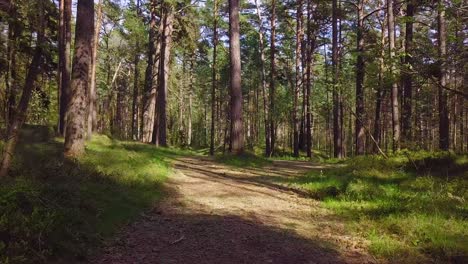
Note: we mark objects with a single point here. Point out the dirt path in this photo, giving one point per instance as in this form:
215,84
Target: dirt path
216,214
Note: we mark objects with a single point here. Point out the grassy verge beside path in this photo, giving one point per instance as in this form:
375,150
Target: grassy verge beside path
411,209
55,209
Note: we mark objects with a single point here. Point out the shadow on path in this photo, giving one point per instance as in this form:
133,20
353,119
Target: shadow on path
203,238
217,214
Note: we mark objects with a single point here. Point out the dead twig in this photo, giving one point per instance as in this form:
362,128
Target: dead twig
178,240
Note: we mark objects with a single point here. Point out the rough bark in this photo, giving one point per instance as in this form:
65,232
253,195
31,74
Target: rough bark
360,73
407,75
136,97
264,84
92,113
272,77
337,118
380,93
82,60
394,90
310,49
444,136
298,83
64,61
237,133
136,90
214,82
151,76
190,95
160,125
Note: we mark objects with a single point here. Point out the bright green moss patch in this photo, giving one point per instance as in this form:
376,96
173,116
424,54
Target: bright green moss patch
412,207
54,208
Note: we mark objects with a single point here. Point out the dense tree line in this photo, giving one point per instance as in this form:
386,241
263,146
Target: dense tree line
334,77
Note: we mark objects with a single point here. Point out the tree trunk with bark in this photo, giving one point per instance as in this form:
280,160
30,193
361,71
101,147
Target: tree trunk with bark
136,90
151,77
190,95
394,90
64,61
92,113
407,76
380,92
136,97
237,131
160,125
264,84
298,83
82,60
444,136
309,50
214,82
272,77
360,73
337,117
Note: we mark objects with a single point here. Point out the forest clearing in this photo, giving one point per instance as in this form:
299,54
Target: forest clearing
254,131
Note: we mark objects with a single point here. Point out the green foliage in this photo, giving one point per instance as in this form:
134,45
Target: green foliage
412,206
59,209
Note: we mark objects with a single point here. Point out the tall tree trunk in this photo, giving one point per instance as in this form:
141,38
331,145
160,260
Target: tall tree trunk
136,90
82,60
160,124
272,77
337,119
380,92
360,72
190,94
64,61
214,82
237,131
444,136
407,76
310,49
394,90
20,114
264,85
92,114
136,96
182,139
151,76
299,36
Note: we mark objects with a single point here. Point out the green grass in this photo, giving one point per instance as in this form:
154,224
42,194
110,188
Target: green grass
59,209
411,211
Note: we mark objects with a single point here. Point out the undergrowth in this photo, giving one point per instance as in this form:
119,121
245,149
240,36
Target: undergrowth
412,207
56,209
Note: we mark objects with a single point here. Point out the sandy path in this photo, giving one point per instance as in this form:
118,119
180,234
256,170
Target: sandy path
216,214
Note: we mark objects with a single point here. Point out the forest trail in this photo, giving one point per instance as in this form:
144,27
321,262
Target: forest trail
214,213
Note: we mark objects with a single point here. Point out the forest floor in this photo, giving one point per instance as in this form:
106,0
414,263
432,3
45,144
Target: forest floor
216,213
128,202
